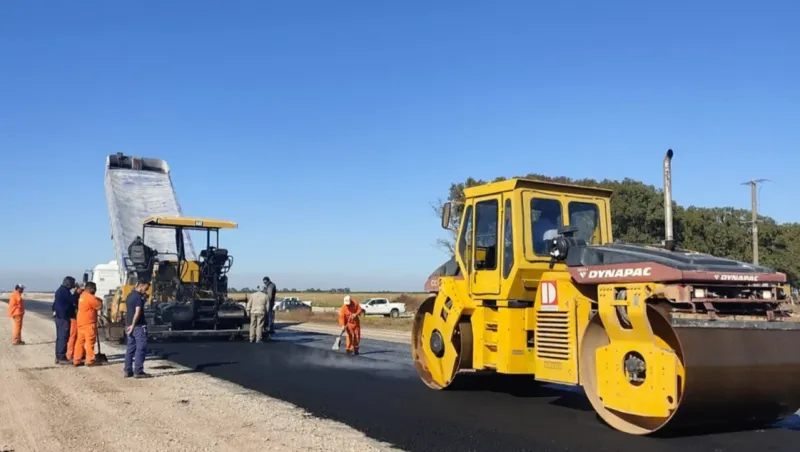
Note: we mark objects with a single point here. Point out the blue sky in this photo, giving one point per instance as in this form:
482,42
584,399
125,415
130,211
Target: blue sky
326,128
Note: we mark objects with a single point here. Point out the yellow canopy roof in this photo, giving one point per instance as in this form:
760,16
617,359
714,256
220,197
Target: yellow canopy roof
190,222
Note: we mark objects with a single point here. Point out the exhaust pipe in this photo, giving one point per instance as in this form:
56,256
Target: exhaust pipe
669,240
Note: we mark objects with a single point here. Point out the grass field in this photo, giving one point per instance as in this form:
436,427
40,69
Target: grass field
412,300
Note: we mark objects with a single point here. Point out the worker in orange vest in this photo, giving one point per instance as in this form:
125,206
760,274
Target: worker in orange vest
350,323
73,327
16,310
88,305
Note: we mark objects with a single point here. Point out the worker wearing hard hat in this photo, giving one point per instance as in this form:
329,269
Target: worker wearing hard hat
351,324
73,325
88,305
16,310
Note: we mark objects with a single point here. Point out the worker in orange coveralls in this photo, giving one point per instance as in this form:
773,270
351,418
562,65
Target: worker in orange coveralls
351,324
16,310
88,305
73,328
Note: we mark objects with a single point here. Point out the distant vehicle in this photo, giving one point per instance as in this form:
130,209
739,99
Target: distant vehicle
292,304
284,299
382,306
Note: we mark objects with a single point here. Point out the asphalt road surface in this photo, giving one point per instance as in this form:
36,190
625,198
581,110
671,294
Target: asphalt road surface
379,394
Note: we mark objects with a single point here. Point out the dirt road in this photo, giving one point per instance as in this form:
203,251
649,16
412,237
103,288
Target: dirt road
45,407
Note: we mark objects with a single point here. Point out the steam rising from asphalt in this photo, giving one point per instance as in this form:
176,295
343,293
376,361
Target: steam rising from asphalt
321,356
341,361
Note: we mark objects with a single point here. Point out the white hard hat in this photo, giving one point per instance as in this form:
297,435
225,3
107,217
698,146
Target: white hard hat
346,299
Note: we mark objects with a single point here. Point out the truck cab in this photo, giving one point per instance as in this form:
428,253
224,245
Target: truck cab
106,277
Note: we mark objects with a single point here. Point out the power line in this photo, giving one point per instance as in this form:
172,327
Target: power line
754,211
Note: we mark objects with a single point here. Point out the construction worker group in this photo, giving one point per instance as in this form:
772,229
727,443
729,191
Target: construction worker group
75,313
260,309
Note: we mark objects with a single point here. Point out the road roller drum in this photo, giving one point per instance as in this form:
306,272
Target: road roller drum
726,375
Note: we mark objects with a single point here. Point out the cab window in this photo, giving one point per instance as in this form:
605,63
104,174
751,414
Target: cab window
508,241
545,222
486,234
586,217
464,242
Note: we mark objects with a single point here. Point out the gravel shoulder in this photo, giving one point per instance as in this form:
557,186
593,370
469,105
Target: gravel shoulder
54,408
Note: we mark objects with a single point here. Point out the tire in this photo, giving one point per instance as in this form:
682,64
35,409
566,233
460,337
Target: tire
394,314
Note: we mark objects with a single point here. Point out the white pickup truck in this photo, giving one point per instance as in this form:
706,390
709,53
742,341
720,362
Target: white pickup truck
382,306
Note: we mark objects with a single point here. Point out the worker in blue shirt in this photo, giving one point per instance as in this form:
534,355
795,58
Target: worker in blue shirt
136,331
63,310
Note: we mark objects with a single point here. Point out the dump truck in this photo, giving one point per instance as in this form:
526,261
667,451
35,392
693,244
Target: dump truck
661,339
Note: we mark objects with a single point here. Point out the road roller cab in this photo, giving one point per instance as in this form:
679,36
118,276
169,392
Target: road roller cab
542,289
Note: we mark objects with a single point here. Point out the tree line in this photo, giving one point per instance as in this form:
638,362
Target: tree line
637,216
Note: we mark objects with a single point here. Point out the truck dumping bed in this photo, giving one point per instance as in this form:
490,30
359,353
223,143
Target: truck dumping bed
136,189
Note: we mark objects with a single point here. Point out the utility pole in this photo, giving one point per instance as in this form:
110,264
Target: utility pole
754,210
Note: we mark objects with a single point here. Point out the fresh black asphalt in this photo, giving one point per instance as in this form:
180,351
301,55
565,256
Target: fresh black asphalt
379,394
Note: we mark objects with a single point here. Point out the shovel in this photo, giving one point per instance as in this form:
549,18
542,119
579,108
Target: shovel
99,358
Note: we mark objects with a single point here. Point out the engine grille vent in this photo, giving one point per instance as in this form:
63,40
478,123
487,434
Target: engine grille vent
552,335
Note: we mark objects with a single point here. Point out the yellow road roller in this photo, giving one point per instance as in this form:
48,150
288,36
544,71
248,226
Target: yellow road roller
659,338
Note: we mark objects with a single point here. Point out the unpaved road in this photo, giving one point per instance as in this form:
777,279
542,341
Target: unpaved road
45,407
